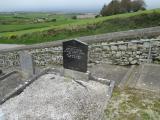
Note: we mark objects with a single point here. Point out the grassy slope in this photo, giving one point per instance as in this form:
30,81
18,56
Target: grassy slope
63,24
76,28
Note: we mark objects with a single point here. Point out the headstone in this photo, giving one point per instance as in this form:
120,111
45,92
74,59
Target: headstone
26,63
75,59
1,72
75,55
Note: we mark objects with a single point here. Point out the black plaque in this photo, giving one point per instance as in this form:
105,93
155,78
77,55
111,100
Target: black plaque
75,55
1,72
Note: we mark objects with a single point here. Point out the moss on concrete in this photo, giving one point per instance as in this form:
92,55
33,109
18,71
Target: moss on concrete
133,104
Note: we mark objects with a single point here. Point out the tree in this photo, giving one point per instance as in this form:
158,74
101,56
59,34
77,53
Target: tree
138,5
126,6
112,8
123,6
104,10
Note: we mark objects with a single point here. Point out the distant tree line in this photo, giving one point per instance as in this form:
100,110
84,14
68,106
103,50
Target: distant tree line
122,6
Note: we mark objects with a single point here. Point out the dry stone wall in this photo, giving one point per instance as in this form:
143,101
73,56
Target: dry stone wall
101,49
42,57
126,53
9,59
120,53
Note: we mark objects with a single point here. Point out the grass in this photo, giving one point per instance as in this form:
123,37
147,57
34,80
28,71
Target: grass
133,104
65,27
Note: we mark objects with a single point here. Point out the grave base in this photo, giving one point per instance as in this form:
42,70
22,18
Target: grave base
76,75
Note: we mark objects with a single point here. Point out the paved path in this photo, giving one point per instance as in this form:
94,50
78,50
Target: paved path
145,76
149,77
7,46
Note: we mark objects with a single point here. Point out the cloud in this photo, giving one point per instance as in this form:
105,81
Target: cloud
29,5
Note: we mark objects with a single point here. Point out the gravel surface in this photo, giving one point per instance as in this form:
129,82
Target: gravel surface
53,97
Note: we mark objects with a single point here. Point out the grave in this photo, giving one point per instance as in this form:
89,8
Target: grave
75,59
26,63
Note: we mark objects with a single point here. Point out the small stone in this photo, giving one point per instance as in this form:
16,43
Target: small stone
122,47
130,59
113,52
138,52
114,48
146,45
137,56
134,62
130,53
106,48
98,49
123,52
118,54
132,46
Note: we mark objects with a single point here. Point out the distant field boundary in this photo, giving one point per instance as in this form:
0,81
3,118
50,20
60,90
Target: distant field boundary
108,37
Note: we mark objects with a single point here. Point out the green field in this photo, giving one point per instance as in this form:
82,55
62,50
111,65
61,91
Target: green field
31,28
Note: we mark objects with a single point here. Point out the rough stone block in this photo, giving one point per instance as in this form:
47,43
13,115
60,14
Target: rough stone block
118,54
130,59
106,47
134,62
114,48
132,46
146,44
122,47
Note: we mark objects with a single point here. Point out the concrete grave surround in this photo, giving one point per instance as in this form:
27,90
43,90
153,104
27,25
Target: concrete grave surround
52,97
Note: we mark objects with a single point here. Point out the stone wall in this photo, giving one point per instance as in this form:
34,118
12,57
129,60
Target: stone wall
101,49
126,53
121,53
42,57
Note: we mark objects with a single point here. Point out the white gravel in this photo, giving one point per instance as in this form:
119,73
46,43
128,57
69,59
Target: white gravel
53,97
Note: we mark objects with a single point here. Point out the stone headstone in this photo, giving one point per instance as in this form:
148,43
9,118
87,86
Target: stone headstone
26,63
75,55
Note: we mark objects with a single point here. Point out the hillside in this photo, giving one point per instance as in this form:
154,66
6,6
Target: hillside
22,29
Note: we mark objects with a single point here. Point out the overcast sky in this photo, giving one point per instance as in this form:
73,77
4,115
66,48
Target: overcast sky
61,5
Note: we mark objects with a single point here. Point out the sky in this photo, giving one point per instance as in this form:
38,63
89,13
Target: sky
61,5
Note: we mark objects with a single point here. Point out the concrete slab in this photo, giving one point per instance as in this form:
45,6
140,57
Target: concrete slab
111,72
150,77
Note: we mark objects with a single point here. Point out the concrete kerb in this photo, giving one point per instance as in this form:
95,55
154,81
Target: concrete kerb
126,77
7,75
78,77
107,82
